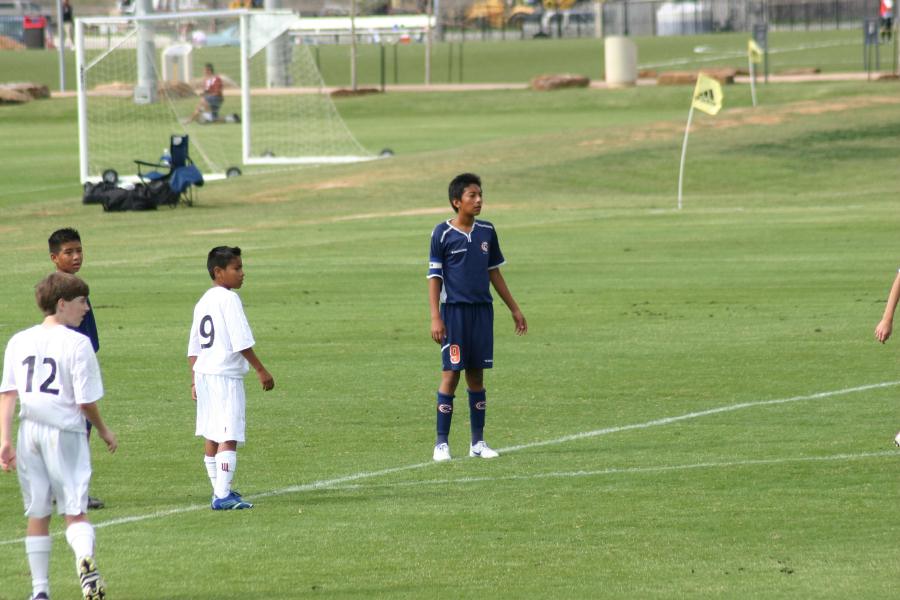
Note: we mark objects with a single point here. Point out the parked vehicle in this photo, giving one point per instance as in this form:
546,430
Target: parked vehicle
21,8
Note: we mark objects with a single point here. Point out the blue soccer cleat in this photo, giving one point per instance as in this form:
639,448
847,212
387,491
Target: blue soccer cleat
230,502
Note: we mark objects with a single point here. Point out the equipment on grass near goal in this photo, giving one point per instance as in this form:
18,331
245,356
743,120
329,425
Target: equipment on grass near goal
141,79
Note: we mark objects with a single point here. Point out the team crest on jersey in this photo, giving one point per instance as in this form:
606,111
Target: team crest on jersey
454,354
484,247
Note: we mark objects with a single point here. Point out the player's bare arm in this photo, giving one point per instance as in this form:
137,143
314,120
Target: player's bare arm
438,330
92,413
265,378
503,291
886,325
7,450
191,361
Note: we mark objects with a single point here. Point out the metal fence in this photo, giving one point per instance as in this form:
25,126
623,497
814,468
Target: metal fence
12,27
657,17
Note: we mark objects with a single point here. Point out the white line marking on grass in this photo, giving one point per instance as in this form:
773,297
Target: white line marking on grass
742,53
626,470
697,415
337,481
321,484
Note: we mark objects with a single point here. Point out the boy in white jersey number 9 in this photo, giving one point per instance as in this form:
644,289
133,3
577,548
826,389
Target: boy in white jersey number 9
220,352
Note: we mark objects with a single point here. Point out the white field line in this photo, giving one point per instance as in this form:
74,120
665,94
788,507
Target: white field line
346,479
623,470
740,53
696,415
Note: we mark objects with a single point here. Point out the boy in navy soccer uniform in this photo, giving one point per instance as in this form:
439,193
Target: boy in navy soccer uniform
464,262
67,254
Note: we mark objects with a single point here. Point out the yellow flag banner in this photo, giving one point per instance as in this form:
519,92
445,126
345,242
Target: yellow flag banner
754,52
707,95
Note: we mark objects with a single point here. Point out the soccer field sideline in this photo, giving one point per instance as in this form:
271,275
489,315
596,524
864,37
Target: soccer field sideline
337,483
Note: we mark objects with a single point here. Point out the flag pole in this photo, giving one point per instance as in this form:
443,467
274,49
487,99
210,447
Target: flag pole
684,153
752,80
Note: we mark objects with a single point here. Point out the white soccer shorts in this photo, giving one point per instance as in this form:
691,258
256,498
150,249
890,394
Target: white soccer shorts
53,463
220,408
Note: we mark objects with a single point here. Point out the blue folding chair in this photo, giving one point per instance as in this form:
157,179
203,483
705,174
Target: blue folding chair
181,177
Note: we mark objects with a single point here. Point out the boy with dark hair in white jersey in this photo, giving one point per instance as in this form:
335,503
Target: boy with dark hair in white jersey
220,352
53,371
886,324
463,264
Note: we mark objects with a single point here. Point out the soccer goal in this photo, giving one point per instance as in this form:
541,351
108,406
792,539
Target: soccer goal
141,79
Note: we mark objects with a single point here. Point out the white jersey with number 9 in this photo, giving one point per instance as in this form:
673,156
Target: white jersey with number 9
218,334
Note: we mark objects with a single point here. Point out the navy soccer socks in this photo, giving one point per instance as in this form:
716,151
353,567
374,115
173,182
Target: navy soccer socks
477,407
444,416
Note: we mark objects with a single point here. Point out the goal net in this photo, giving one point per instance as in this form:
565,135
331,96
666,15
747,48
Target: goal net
141,80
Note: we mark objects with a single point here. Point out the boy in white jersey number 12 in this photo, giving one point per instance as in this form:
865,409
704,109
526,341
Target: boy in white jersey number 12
220,352
53,371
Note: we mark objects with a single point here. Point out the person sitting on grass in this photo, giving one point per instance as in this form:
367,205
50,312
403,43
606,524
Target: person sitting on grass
211,101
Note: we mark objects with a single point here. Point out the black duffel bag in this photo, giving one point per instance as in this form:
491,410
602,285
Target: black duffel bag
114,198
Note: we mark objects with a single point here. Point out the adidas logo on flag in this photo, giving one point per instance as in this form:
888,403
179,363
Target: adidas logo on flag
707,95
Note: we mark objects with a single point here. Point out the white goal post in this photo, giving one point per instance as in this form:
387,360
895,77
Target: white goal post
140,81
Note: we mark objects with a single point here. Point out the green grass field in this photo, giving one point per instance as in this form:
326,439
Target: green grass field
517,61
698,410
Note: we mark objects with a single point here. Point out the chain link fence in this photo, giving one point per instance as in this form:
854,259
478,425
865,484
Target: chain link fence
656,17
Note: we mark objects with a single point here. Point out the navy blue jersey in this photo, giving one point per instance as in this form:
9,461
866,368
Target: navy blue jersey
462,260
88,327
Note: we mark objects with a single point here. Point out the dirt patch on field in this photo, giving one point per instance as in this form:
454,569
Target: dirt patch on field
287,192
215,231
739,117
8,43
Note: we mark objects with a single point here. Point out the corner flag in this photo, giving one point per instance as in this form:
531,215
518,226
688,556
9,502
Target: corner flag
708,98
754,57
754,52
707,95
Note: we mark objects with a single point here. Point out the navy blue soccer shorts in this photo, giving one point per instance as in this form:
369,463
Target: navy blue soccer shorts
469,343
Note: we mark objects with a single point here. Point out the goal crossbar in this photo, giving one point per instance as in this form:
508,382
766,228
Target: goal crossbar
126,92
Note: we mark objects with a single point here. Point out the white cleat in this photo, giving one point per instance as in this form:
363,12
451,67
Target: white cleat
441,453
897,439
482,450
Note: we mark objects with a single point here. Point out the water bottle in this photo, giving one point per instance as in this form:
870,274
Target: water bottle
165,159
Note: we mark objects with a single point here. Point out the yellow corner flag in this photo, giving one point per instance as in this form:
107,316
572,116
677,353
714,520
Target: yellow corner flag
707,95
754,52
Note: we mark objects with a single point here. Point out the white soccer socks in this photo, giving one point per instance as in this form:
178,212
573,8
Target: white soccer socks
211,470
226,463
37,548
80,536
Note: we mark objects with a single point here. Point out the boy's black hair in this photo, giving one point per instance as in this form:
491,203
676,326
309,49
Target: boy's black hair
60,237
58,286
459,185
210,67
221,256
